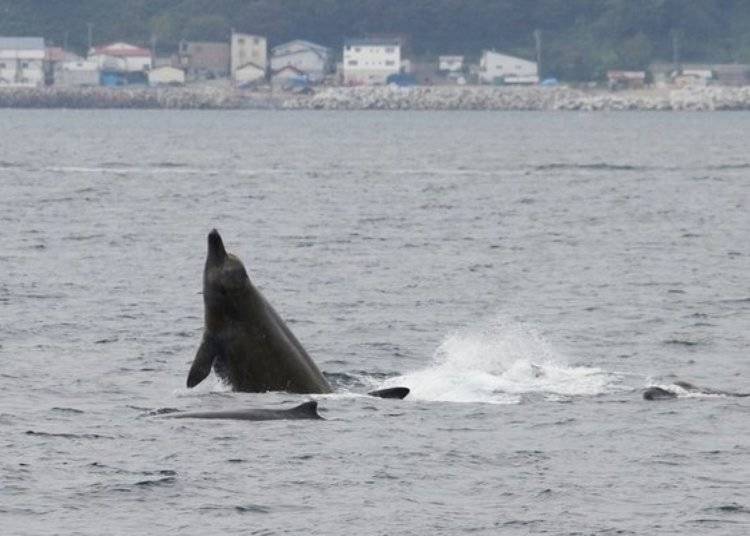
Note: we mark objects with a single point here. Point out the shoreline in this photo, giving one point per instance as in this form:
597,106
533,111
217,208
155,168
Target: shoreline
426,98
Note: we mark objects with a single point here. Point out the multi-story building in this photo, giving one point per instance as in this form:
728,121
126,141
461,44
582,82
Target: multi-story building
370,61
248,58
204,60
22,61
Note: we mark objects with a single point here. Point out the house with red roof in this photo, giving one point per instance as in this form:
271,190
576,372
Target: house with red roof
121,58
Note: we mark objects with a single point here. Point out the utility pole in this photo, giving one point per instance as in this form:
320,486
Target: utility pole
90,27
538,42
153,47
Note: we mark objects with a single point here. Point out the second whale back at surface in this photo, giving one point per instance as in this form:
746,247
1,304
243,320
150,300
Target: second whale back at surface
307,410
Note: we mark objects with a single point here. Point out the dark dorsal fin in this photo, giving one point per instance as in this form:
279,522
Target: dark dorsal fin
307,409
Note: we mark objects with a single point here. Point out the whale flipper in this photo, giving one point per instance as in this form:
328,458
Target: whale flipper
392,392
207,352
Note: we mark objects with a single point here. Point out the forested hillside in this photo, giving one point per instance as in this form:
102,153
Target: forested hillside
581,38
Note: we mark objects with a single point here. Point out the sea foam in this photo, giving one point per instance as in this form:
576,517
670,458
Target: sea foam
498,363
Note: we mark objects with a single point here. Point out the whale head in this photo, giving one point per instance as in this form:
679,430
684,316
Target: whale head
226,285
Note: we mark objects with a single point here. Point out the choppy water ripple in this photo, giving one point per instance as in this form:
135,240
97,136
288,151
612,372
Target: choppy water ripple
526,275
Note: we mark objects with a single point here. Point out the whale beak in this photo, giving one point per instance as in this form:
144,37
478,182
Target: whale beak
216,251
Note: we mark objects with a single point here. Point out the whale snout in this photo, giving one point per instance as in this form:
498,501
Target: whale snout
216,249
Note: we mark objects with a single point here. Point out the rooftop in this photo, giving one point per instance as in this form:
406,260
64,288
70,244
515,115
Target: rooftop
308,44
22,43
121,50
372,42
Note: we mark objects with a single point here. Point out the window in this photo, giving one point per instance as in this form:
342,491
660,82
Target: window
357,49
390,50
2,66
25,65
352,62
256,40
499,67
241,41
390,62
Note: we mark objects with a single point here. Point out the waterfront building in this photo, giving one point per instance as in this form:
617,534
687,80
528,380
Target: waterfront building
626,79
450,64
65,68
723,74
289,77
121,58
166,76
370,61
249,74
309,58
22,61
498,68
203,60
75,71
248,58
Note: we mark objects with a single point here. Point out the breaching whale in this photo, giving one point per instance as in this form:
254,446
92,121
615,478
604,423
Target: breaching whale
307,410
245,341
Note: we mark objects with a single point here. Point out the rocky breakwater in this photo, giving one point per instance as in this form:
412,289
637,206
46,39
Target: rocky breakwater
382,98
526,98
427,98
136,97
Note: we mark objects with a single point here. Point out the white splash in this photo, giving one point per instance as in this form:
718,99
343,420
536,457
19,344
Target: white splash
497,364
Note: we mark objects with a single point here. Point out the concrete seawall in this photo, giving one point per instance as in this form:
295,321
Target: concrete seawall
383,98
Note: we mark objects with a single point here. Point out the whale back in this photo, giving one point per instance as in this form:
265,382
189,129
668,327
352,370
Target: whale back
306,410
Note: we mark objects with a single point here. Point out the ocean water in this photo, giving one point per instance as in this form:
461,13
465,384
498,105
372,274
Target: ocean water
525,274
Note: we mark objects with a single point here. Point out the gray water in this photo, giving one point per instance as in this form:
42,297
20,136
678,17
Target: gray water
526,275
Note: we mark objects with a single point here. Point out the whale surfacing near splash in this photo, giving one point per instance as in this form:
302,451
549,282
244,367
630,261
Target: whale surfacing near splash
245,341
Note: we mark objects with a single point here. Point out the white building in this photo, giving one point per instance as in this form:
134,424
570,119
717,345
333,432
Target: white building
22,61
249,74
166,76
371,61
497,68
450,64
247,55
121,58
311,59
78,72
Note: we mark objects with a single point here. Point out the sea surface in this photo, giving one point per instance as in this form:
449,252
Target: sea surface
527,275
